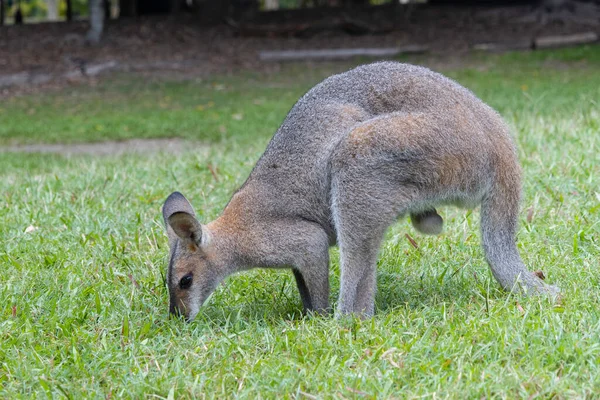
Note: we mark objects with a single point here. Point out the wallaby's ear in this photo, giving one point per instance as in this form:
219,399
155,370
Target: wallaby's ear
186,226
180,219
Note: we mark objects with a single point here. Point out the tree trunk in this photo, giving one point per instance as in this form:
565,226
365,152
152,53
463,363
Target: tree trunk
127,8
354,3
214,12
175,6
52,10
96,10
19,16
107,8
69,11
2,12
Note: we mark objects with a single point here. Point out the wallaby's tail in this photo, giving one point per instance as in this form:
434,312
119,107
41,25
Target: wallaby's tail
428,222
499,220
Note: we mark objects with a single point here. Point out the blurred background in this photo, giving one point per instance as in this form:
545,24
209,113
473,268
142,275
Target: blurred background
53,40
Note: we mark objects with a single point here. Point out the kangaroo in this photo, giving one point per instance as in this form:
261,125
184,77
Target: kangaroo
355,153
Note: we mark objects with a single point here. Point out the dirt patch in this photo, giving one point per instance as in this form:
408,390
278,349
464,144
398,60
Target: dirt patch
143,146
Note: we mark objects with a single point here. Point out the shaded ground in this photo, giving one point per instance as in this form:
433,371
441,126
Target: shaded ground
40,53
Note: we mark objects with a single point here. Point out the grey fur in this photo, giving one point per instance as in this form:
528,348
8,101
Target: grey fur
355,153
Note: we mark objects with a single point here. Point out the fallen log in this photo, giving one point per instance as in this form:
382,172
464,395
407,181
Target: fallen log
346,24
501,47
338,54
545,42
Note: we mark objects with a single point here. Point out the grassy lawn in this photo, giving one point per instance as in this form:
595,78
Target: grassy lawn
83,306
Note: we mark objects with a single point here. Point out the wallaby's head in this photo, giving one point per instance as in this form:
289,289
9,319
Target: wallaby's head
193,271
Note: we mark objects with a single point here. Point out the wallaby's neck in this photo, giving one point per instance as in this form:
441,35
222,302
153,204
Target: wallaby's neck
249,234
235,235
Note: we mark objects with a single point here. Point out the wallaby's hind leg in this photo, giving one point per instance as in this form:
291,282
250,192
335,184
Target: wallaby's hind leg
363,206
359,239
378,173
499,215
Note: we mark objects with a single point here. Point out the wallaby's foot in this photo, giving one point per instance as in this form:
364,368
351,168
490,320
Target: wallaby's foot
428,222
357,291
349,319
514,277
553,292
321,312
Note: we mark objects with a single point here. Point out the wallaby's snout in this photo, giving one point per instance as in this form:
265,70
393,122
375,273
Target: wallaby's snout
176,312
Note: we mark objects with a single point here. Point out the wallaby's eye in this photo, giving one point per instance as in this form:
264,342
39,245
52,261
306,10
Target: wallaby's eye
186,281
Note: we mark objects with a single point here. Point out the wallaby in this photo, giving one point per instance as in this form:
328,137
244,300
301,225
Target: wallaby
355,153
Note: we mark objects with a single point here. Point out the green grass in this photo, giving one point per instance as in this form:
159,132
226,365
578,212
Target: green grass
83,306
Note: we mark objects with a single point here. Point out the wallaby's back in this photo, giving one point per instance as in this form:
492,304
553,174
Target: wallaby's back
295,164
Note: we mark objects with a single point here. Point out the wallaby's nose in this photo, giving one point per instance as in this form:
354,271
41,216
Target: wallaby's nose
176,312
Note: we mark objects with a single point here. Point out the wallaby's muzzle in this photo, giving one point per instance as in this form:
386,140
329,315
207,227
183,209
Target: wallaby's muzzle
177,312
173,310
